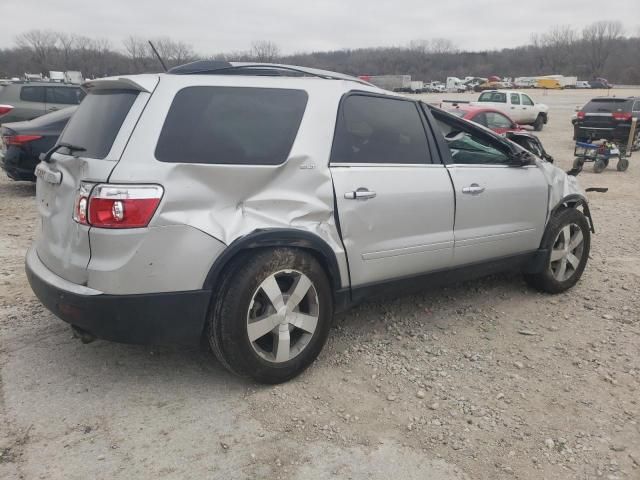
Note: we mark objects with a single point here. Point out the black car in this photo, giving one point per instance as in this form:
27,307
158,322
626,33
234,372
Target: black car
607,118
22,142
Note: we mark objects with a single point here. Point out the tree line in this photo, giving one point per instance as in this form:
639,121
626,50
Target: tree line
599,50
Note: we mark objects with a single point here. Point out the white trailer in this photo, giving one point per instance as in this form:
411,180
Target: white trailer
416,86
390,82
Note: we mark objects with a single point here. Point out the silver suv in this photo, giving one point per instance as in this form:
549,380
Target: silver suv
244,204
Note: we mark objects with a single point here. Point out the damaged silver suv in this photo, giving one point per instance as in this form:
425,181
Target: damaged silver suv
244,204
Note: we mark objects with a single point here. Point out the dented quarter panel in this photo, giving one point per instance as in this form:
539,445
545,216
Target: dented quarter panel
228,202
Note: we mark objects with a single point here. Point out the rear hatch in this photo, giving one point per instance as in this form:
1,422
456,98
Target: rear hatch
598,113
98,131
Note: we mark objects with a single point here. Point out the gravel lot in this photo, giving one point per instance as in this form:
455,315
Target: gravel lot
483,380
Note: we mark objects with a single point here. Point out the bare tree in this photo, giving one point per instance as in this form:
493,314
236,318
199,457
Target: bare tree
600,39
138,51
443,45
173,52
41,44
264,51
433,46
558,46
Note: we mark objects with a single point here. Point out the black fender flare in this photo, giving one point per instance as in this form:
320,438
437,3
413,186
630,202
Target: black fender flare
278,237
575,200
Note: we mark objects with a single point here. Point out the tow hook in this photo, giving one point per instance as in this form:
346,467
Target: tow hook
83,335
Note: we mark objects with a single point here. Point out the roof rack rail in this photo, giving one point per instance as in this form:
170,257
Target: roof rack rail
213,67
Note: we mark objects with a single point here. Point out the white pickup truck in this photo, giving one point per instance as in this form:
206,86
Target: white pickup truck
517,105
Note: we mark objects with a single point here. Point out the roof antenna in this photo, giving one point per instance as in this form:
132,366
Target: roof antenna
158,55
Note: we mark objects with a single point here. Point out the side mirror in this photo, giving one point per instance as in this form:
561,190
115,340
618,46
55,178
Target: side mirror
520,159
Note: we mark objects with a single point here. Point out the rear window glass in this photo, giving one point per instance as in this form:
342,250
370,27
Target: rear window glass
607,105
64,95
231,125
32,94
497,97
97,121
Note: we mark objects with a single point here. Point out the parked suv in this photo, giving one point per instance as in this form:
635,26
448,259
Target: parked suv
607,118
245,204
27,100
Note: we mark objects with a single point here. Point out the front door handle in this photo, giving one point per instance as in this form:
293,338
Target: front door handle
473,189
360,194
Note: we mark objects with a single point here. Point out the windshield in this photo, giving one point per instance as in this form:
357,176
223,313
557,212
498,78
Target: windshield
457,112
96,123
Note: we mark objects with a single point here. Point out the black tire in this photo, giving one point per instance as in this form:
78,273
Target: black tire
539,123
623,164
545,280
599,166
228,330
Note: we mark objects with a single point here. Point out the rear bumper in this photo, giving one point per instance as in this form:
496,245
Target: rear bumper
158,318
620,132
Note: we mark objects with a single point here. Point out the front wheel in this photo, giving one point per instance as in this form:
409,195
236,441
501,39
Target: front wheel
568,240
623,164
272,315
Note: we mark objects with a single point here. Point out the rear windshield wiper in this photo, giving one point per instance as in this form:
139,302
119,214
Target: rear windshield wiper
46,157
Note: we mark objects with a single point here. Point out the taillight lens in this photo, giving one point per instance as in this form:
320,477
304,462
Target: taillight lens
81,204
20,139
123,206
621,116
4,109
580,115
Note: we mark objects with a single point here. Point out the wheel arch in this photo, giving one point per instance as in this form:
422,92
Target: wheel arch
278,237
574,200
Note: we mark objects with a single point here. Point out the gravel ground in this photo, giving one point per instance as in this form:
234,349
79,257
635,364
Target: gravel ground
482,380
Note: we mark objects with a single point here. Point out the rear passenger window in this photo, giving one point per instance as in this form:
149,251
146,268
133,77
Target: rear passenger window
231,125
379,130
32,94
64,95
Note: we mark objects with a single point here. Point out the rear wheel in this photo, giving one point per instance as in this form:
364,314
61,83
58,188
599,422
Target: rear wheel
539,123
272,315
568,240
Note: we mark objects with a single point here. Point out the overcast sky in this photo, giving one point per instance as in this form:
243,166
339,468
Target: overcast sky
297,25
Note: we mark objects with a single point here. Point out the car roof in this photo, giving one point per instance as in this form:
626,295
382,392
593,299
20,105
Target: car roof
268,75
502,90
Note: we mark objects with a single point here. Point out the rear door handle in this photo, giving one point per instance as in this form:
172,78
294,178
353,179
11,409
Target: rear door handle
473,189
360,194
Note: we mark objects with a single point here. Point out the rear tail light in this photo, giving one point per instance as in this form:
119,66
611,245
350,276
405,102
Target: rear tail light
4,109
116,206
580,115
20,139
621,116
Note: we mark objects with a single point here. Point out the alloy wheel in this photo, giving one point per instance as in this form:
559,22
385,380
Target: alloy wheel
283,315
567,252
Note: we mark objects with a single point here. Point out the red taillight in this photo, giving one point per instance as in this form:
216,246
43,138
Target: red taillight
580,115
20,139
4,109
621,116
122,206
